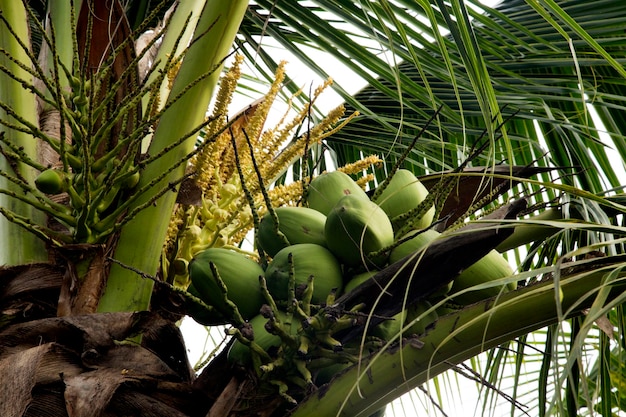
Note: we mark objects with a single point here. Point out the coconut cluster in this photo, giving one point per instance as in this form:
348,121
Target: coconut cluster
337,241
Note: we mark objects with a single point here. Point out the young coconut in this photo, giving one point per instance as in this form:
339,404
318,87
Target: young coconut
403,194
327,189
239,273
295,225
307,259
355,229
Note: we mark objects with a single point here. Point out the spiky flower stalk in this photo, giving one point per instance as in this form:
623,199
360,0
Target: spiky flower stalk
24,247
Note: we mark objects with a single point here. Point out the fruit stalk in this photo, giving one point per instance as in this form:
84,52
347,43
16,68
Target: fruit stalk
456,337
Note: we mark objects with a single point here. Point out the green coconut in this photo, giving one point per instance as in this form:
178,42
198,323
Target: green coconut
355,229
357,280
327,189
295,224
403,194
308,259
489,268
239,273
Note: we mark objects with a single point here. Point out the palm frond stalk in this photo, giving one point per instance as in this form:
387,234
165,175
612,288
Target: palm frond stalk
194,83
453,338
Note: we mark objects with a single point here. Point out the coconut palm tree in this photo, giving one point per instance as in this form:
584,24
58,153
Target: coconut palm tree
114,177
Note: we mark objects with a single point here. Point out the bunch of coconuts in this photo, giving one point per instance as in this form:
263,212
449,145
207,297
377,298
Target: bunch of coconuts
339,240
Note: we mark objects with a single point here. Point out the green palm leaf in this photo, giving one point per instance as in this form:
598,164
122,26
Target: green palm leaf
536,73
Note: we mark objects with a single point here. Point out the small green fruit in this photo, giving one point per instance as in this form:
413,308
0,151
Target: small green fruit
51,181
357,280
491,267
403,194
